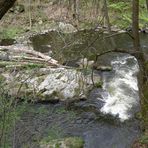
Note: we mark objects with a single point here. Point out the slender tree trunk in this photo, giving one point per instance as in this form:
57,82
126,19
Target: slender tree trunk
29,14
5,5
76,11
69,5
142,77
135,24
146,4
108,23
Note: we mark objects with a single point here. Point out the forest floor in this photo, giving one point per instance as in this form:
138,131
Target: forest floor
41,15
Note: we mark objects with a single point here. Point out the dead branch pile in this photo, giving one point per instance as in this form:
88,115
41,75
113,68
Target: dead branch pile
24,55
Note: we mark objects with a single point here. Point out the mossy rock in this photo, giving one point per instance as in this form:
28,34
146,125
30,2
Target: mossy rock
70,142
99,84
74,142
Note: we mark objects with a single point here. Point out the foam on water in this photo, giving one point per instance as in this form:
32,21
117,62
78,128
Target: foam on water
122,88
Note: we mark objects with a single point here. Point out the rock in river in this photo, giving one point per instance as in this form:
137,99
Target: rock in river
49,84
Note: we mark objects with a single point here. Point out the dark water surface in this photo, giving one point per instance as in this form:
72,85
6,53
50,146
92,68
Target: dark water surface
40,121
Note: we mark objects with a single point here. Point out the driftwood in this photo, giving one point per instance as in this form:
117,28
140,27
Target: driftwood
26,58
35,55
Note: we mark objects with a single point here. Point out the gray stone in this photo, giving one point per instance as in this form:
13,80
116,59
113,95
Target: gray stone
49,84
66,28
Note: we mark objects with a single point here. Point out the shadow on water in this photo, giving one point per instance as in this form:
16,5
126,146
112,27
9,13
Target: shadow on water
99,131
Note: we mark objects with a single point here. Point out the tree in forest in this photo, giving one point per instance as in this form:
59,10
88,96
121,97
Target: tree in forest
108,22
147,4
135,24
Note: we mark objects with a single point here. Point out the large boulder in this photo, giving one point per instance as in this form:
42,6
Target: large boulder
49,84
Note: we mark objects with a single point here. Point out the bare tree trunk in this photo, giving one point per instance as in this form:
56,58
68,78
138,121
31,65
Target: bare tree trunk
97,7
5,5
76,9
147,4
69,5
25,49
29,14
108,23
142,77
135,24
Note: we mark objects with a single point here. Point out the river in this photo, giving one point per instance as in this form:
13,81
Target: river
108,118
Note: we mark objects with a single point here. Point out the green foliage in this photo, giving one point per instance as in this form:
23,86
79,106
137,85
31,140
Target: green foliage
143,21
9,115
30,66
144,139
70,142
10,33
99,84
119,6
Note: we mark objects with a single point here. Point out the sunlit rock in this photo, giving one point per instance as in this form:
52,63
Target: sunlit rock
50,84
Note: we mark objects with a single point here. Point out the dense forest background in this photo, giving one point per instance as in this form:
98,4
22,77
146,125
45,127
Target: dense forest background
31,15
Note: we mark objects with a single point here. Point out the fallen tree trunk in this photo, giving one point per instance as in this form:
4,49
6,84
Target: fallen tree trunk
27,58
38,56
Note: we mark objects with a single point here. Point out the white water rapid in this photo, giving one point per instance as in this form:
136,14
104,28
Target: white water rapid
122,96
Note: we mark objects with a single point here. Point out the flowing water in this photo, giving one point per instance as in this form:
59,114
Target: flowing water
122,93
99,120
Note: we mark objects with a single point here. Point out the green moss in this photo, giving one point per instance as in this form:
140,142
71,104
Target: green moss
74,142
119,6
70,142
10,33
123,20
32,66
99,84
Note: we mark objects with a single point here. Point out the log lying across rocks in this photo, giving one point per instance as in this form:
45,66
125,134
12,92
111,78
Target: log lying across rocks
14,52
